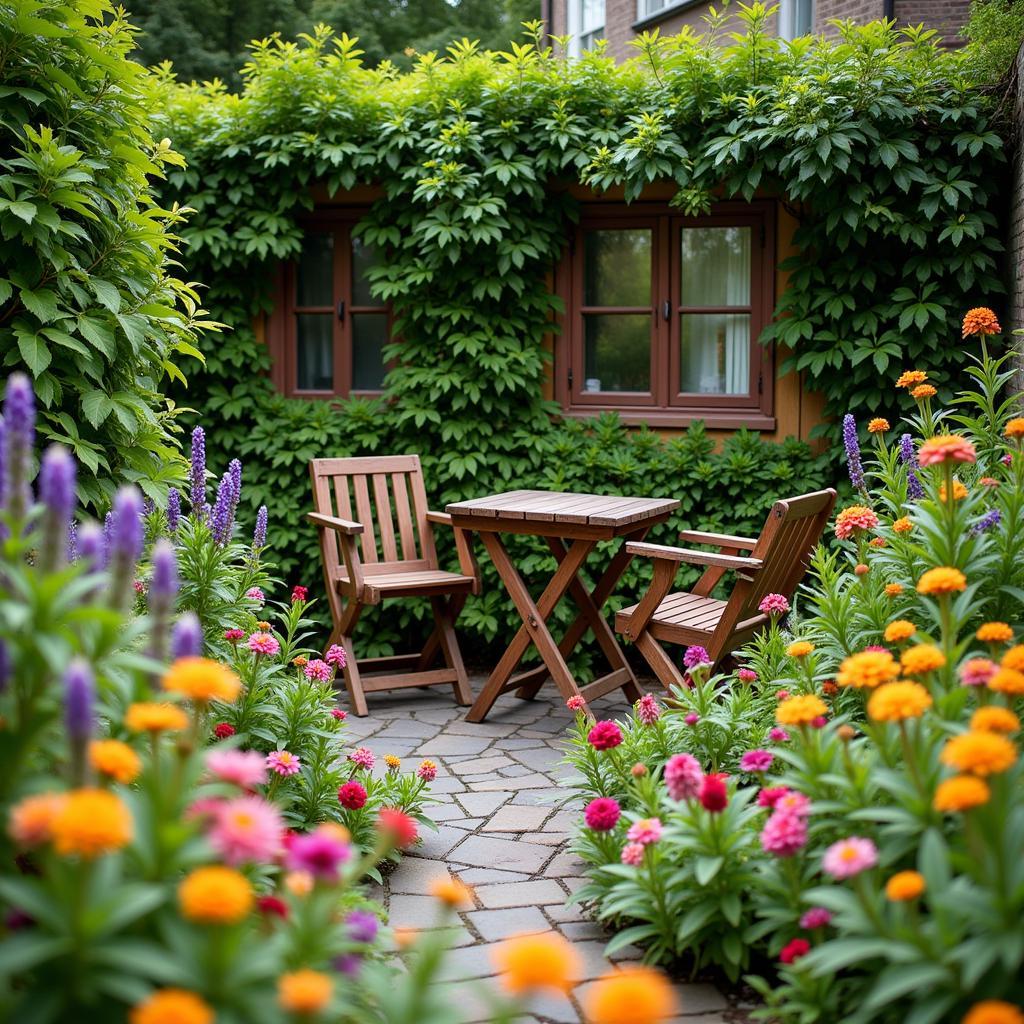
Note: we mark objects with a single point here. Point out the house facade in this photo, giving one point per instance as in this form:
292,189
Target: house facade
619,21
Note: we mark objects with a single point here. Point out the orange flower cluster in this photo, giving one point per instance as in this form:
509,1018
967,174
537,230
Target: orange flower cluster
867,669
902,525
923,391
994,633
90,823
896,702
799,649
854,518
911,378
1015,428
633,995
959,492
995,719
215,895
304,991
943,580
916,661
980,320
202,680
172,1006
905,886
115,759
946,448
980,753
801,710
535,963
899,630
152,717
879,425
961,793
993,1011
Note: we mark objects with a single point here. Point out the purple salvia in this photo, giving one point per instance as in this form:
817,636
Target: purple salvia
57,493
79,713
908,456
163,589
852,445
987,522
125,545
197,472
91,545
19,439
220,518
259,535
72,544
187,637
173,509
235,469
3,460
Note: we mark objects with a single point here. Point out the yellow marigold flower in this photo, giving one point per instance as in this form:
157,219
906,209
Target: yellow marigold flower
800,649
909,378
994,633
394,763
902,525
980,320
92,822
916,661
172,1006
899,630
1015,428
905,886
452,892
993,1011
31,820
961,793
943,580
893,589
854,518
959,491
202,679
923,391
800,710
879,425
946,448
1008,681
867,669
304,991
533,963
263,627
634,995
215,895
1014,658
152,717
981,753
895,702
995,719
115,759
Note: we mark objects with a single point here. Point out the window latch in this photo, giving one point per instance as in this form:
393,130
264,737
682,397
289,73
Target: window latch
667,310
341,309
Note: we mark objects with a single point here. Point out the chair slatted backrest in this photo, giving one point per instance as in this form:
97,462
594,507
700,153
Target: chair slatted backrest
387,497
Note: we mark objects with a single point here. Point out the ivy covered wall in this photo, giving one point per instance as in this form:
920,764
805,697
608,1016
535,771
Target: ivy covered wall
881,144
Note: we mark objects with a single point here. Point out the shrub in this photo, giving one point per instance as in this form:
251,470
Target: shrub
995,30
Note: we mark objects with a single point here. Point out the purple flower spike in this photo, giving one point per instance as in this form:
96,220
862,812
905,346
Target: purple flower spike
852,445
235,470
187,637
348,964
198,471
362,926
173,509
5,666
221,519
259,535
987,522
127,530
57,493
72,542
19,439
91,545
3,461
908,456
79,696
164,585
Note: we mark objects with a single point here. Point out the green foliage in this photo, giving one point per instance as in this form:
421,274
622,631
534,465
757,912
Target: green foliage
87,304
995,30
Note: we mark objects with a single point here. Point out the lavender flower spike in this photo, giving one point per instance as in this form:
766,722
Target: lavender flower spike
57,493
79,713
173,509
259,535
221,519
235,469
852,445
198,472
908,456
187,637
91,544
987,522
19,439
127,532
163,588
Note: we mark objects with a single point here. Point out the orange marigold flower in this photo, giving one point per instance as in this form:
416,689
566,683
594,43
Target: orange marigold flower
299,883
959,491
879,425
801,710
304,991
90,823
1008,681
922,658
533,963
634,995
995,719
905,886
1014,658
1015,428
994,633
867,669
115,759
899,630
800,649
404,937
202,680
923,391
893,589
896,702
946,448
172,1006
452,892
980,753
300,661
961,793
877,542
989,481
854,518
902,525
909,378
943,580
152,717
31,820
215,895
993,1011
980,320
861,569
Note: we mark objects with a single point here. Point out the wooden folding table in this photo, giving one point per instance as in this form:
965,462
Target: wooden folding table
572,525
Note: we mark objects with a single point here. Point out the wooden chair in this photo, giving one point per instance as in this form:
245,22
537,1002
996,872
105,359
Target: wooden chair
372,555
777,562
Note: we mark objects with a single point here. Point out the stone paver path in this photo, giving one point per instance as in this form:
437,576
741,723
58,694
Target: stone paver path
501,832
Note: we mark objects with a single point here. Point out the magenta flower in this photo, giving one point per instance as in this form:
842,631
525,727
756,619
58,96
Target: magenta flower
784,833
361,757
633,854
683,777
234,634
977,671
756,761
816,917
771,795
645,831
602,814
576,703
695,656
648,710
320,854
338,715
605,736
746,675
691,718
849,857
246,830
318,670
246,769
255,594
263,643
283,762
792,802
777,734
335,656
773,604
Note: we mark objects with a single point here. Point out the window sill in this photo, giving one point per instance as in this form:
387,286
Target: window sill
669,419
666,12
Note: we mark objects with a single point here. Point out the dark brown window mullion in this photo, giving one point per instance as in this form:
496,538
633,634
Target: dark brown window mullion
342,317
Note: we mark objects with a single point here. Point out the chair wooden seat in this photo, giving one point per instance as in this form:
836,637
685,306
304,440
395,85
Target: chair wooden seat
684,618
415,583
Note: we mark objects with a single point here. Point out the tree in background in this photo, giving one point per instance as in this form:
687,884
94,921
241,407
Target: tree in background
995,30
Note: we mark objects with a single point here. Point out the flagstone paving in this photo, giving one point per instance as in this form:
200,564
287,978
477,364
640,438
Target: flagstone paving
501,830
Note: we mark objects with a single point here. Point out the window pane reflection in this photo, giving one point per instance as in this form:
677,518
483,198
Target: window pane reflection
314,355
618,267
369,336
715,354
314,273
617,353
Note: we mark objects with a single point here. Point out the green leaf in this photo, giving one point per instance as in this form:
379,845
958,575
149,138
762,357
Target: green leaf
34,351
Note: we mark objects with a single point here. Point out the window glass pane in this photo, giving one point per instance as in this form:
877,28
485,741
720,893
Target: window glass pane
715,356
314,274
363,258
648,7
369,336
617,267
591,15
617,353
716,266
314,352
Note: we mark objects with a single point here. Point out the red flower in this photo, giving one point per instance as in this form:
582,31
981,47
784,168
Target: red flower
299,594
222,730
272,905
352,796
234,635
771,795
338,715
602,814
782,695
713,794
792,951
605,735
399,827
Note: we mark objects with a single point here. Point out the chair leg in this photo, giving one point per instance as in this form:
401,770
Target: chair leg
445,634
661,664
342,634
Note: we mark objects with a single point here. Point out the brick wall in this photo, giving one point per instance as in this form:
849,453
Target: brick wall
947,17
1015,235
858,10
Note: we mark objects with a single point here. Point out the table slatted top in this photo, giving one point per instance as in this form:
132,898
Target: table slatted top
563,507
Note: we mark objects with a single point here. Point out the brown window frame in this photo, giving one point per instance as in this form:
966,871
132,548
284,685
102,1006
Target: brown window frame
663,406
282,329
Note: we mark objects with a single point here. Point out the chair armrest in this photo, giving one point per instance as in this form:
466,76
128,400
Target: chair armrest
463,546
441,518
691,557
334,523
722,540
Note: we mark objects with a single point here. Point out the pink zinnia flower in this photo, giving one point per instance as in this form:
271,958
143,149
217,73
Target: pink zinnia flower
695,656
784,833
299,594
877,647
793,803
746,675
255,594
361,757
234,634
777,734
320,854
576,703
398,826
335,656
691,718
683,777
352,796
318,670
852,519
648,710
427,771
263,643
602,814
605,736
816,917
203,809
283,762
819,722
644,831
246,830
771,795
633,854
977,671
246,769
849,857
338,715
713,795
773,604
756,761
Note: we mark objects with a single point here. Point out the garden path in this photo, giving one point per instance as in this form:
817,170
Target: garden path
501,832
